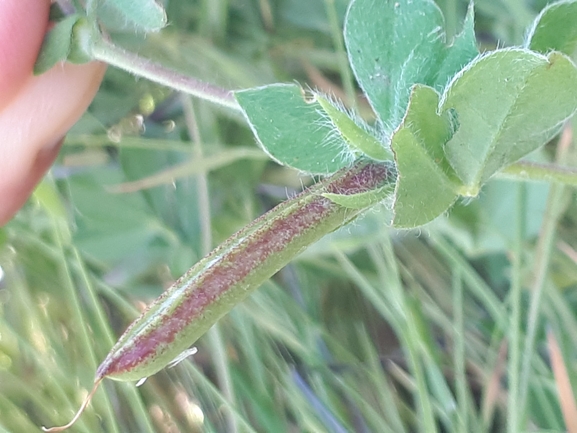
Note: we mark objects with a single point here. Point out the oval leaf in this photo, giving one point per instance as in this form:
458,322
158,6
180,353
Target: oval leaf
554,29
426,185
292,130
56,45
142,15
395,44
508,103
463,50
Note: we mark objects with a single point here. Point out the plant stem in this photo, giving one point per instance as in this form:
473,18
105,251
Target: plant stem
541,172
105,51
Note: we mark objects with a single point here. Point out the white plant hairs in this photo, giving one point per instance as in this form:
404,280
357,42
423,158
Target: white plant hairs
334,137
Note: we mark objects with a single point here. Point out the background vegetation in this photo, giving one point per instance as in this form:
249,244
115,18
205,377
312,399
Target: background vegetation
371,330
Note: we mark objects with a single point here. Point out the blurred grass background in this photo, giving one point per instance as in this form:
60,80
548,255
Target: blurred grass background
371,330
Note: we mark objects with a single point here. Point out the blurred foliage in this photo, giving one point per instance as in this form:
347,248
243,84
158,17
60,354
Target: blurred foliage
371,330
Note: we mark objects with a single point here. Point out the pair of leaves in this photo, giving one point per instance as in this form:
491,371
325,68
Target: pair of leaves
404,38
453,117
499,108
507,103
67,40
494,108
393,45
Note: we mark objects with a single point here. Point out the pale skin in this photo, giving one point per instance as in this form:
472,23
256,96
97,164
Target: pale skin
35,112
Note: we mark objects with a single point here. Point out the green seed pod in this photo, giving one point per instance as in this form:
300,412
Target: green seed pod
213,286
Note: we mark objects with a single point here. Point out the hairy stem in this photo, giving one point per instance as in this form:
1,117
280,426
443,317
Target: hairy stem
105,51
540,172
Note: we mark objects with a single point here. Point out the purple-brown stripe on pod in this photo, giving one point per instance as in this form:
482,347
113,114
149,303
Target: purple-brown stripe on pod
221,280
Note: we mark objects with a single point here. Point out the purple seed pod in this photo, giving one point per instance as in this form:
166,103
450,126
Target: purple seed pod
213,286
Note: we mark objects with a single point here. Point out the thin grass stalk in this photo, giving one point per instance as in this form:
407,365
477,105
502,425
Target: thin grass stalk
216,341
62,232
459,359
388,404
343,60
410,336
54,378
540,266
370,415
134,399
514,346
77,315
200,380
555,206
560,372
425,407
390,303
475,283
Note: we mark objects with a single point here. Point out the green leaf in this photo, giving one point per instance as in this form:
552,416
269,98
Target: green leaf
361,200
395,44
357,137
483,226
462,51
69,40
426,185
508,103
142,15
56,45
554,29
134,232
292,130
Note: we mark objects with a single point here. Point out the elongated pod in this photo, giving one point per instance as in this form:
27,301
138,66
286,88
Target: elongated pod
213,286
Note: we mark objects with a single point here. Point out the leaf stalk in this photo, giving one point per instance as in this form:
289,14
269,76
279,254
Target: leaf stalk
107,52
